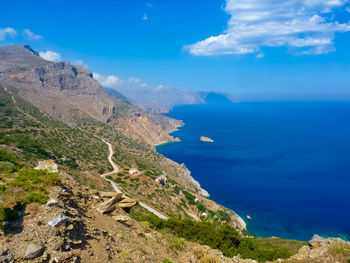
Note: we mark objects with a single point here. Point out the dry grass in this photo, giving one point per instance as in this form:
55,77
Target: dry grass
209,259
200,252
339,249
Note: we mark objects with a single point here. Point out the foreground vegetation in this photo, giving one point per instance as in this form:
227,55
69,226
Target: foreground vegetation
20,186
225,238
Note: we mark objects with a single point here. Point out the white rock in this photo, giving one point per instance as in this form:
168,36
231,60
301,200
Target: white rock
58,220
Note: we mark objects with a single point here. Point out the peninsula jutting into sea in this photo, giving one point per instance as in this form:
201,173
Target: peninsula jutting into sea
172,131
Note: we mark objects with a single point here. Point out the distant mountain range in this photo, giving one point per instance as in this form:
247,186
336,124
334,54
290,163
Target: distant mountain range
163,100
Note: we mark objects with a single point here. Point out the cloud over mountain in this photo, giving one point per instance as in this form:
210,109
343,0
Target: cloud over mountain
8,31
50,56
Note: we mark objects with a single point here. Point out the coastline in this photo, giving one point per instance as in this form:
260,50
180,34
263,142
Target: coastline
200,191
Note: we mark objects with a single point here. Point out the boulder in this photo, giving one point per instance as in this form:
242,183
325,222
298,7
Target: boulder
111,194
121,218
127,203
107,206
32,251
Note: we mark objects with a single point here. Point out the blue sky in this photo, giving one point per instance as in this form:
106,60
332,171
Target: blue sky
254,49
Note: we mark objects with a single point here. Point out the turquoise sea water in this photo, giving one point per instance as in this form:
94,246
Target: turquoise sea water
286,164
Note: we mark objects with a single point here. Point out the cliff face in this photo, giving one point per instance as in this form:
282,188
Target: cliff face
63,91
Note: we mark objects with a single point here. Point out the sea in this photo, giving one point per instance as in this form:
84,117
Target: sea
285,164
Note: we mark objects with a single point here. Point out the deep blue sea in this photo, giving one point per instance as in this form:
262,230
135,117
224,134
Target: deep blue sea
286,164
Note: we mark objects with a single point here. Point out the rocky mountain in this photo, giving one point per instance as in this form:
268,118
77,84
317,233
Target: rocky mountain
70,94
18,57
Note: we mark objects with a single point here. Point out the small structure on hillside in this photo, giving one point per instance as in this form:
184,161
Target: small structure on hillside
48,165
162,179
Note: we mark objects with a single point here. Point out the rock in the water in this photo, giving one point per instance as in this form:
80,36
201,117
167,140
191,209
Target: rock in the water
118,196
249,217
127,203
32,251
206,139
108,206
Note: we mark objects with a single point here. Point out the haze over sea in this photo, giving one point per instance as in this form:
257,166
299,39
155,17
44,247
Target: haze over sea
286,164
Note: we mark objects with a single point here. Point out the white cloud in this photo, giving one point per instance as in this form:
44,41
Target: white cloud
80,63
108,81
260,55
134,80
305,25
31,35
160,87
50,56
145,17
348,9
8,31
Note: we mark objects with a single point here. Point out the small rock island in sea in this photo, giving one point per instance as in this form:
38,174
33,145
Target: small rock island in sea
206,139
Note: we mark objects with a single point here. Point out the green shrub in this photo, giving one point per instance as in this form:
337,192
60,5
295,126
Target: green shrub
225,238
176,189
201,207
190,198
7,167
8,158
109,177
118,180
224,216
167,260
40,198
7,214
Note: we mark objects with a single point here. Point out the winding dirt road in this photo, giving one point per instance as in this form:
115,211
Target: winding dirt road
117,189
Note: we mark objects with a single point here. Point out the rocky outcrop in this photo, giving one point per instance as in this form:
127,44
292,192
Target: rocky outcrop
206,139
330,250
